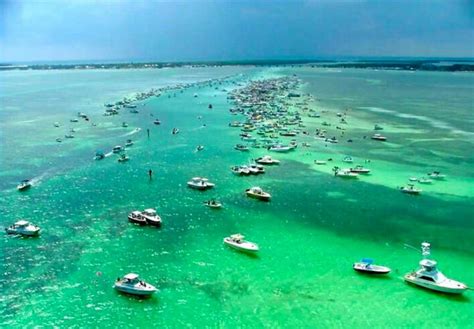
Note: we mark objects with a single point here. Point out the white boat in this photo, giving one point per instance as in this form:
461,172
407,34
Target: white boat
175,131
200,148
410,189
128,143
280,148
237,241
267,160
136,217
157,122
436,175
24,185
23,227
348,159
257,193
214,204
56,124
345,173
131,284
366,266
425,181
151,217
200,183
124,124
241,147
428,276
379,137
117,149
123,158
256,169
320,162
240,170
360,170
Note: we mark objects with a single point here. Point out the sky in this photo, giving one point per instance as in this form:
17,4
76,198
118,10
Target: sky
207,30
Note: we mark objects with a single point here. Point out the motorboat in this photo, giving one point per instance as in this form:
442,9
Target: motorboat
436,175
237,241
280,148
366,265
200,183
345,173
157,122
320,162
56,124
175,131
256,169
59,140
200,148
424,180
136,217
241,147
240,170
429,277
360,170
214,204
378,127
124,124
267,160
131,284
379,137
151,217
24,185
410,189
348,159
128,143
257,193
74,120
117,149
69,136
24,228
99,155
123,158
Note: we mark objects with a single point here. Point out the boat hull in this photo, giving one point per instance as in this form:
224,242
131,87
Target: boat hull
427,285
137,221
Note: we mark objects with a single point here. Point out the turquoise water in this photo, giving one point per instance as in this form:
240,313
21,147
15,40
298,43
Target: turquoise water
311,232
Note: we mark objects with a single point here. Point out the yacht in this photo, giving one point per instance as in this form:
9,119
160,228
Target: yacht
360,170
151,217
366,266
24,228
436,175
131,284
136,218
428,276
379,137
267,160
410,189
24,185
257,193
200,183
237,241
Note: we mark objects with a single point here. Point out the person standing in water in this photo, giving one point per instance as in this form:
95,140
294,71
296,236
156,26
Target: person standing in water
148,133
150,174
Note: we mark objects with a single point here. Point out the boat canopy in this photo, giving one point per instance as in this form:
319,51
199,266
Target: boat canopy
131,276
237,237
367,260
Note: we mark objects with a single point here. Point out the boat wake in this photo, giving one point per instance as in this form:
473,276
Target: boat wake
133,132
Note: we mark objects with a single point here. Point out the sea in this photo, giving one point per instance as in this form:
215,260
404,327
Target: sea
310,234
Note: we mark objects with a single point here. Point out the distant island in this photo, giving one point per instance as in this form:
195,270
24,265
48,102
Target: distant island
440,65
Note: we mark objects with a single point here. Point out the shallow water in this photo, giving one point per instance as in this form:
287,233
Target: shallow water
311,232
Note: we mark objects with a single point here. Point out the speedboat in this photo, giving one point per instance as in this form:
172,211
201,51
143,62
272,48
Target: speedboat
200,183
124,124
360,170
123,158
74,120
348,159
424,180
24,185
410,189
345,173
436,175
175,131
99,155
240,170
429,277
157,122
237,241
256,169
136,217
151,217
199,148
257,193
320,162
377,127
59,140
241,147
267,160
131,284
23,227
128,143
379,137
366,266
69,136
117,149
56,124
213,204
280,148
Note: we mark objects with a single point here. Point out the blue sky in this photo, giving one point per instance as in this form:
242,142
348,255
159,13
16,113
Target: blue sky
40,30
